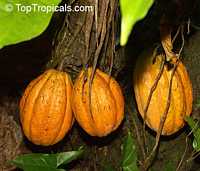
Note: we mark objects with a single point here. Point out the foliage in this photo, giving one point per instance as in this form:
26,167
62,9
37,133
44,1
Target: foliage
132,11
46,162
196,132
17,25
129,156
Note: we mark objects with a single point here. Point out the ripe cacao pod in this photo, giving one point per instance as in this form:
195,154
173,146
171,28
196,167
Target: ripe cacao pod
146,71
106,110
45,108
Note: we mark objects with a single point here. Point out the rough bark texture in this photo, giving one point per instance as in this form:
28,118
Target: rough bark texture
89,39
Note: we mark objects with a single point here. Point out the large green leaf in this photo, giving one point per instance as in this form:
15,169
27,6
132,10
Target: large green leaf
17,25
46,162
196,132
129,160
132,11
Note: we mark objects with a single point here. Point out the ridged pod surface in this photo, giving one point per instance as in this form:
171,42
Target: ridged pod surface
45,108
106,111
146,71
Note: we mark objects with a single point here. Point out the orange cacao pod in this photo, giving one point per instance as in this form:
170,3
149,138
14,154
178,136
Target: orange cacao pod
45,108
106,110
146,71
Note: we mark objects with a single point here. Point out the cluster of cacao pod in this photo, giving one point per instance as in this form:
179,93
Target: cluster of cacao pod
50,103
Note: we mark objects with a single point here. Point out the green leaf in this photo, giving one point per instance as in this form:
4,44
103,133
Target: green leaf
46,162
196,132
129,160
132,11
67,157
17,25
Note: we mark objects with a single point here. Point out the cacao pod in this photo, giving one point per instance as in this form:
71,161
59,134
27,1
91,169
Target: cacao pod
146,71
45,108
106,110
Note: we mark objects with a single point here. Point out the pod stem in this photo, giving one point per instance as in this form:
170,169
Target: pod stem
166,39
60,65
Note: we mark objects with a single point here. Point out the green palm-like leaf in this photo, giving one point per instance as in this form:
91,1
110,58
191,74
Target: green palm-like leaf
132,11
17,25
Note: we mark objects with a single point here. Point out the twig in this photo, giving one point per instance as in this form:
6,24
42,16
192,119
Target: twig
162,121
186,147
105,48
195,26
113,48
138,136
153,88
96,56
175,36
88,29
103,10
183,41
96,20
188,26
149,159
194,155
110,36
183,156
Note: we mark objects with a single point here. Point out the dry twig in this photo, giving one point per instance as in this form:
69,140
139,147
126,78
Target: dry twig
151,156
153,88
138,136
185,151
